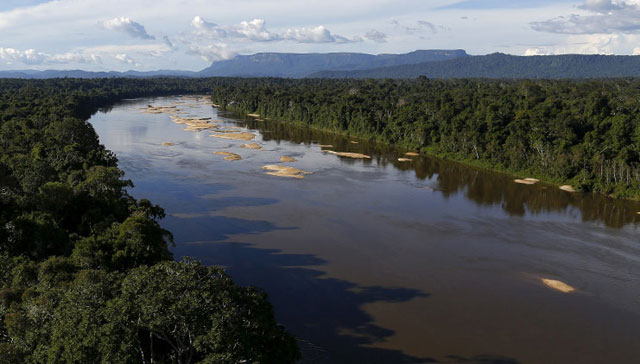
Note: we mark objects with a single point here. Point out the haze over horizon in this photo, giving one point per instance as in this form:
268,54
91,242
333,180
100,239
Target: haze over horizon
190,34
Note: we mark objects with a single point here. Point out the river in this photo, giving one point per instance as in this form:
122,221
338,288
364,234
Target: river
381,261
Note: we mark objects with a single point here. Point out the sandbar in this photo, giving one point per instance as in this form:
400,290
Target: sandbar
567,188
168,144
284,171
251,146
348,154
404,160
234,136
285,158
412,154
558,285
229,156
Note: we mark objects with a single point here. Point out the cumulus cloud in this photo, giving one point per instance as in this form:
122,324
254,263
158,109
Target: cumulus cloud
33,57
605,17
212,53
124,58
376,36
589,44
256,31
319,34
128,26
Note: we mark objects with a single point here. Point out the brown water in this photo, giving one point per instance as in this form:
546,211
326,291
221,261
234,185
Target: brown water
380,261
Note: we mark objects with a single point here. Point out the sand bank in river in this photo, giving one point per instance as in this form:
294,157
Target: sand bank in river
168,144
251,146
354,142
412,154
235,136
254,115
567,188
404,160
229,156
285,158
160,109
284,171
348,154
325,145
558,285
527,181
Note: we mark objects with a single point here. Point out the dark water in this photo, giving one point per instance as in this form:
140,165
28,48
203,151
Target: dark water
380,261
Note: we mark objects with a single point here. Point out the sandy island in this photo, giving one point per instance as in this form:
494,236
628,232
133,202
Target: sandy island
325,145
558,285
348,154
251,146
168,144
229,156
285,158
567,188
284,171
404,160
527,181
412,154
235,136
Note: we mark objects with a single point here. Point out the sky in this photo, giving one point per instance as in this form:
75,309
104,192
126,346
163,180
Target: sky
100,35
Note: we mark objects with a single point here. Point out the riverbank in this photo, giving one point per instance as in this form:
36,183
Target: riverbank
451,157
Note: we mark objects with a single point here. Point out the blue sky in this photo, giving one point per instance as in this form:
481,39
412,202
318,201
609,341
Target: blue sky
190,34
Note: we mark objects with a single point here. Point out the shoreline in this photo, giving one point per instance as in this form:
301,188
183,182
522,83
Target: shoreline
429,152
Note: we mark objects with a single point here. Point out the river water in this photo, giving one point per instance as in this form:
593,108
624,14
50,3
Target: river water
381,261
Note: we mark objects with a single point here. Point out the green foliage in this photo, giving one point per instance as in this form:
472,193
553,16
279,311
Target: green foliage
82,262
583,133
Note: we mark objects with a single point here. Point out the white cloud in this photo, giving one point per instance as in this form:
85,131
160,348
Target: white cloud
123,58
603,17
33,57
212,53
256,31
376,36
318,34
590,44
128,26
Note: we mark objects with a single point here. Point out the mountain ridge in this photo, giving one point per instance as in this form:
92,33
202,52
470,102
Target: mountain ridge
499,65
429,63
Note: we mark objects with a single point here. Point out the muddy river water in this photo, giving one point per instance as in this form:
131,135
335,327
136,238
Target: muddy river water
374,260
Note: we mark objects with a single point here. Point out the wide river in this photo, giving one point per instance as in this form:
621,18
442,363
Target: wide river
381,261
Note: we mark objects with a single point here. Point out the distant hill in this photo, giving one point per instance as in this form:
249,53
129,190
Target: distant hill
429,63
296,65
33,74
500,65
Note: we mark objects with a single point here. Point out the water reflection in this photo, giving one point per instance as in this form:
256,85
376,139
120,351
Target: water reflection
480,186
330,310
